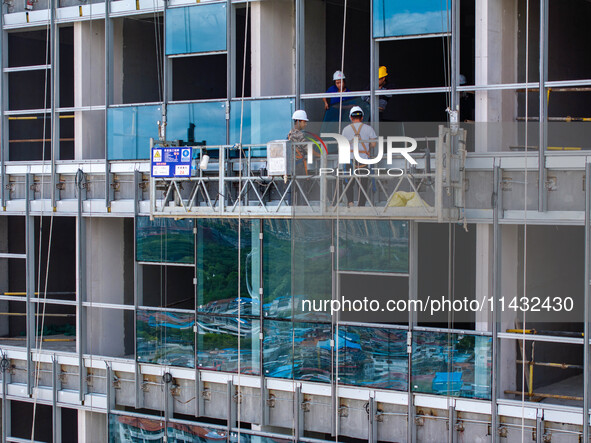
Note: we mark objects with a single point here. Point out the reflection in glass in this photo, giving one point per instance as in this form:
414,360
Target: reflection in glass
372,357
262,121
125,428
209,120
452,364
247,438
181,433
200,28
409,17
217,344
373,245
166,338
312,266
277,268
129,130
217,266
164,240
297,350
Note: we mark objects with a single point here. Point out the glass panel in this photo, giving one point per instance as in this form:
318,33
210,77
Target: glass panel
263,121
165,240
166,338
127,428
312,267
217,344
277,268
209,120
192,29
129,130
373,245
302,352
217,266
181,433
392,18
452,364
373,358
247,438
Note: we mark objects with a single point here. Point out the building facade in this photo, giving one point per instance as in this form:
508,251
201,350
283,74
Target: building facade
140,306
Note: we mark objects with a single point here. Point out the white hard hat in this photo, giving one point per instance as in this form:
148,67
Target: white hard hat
300,115
355,110
338,75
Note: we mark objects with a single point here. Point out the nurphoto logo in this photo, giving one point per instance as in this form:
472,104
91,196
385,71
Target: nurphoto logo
392,148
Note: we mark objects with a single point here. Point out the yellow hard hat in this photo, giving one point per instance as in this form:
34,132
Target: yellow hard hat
383,72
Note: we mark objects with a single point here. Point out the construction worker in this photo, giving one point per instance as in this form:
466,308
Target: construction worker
382,84
300,120
339,86
298,138
365,134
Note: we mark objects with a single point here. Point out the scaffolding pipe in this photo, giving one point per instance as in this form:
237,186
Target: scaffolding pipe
539,394
542,332
556,119
551,365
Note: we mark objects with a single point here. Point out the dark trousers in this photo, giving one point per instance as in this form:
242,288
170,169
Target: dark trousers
354,191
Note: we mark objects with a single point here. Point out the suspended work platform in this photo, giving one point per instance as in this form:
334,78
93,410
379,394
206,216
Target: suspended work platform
237,181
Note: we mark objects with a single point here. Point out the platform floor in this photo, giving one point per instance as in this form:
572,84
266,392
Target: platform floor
63,343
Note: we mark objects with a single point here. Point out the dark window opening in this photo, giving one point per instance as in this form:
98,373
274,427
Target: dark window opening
433,267
169,286
142,64
199,77
240,42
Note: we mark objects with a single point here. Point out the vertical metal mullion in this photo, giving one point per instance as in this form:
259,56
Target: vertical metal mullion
496,292
54,91
108,96
230,68
3,106
30,279
137,291
81,284
299,32
543,118
334,324
5,402
56,410
166,76
109,392
263,390
586,358
412,321
373,72
455,54
198,410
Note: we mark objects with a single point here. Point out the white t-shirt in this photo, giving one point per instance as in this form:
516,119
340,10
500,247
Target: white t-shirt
365,131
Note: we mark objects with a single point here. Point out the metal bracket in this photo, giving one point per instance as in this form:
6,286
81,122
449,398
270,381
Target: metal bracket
551,183
271,401
343,410
506,183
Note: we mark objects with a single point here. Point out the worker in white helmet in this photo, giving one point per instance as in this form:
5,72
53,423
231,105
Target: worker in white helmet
339,86
300,120
365,134
298,138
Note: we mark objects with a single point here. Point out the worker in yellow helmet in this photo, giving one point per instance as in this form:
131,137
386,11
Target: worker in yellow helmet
382,84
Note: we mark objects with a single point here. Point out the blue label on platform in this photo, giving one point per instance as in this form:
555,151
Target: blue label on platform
171,162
